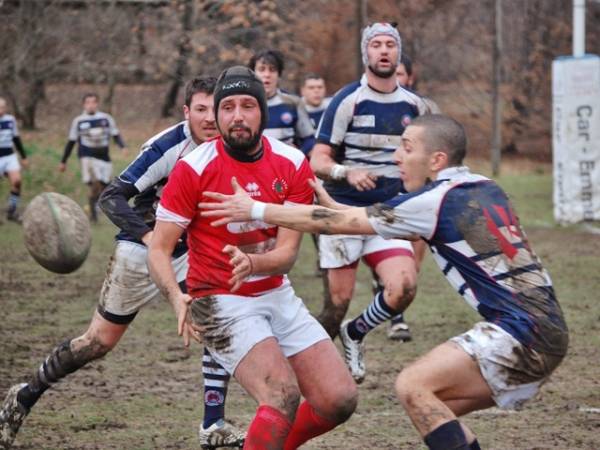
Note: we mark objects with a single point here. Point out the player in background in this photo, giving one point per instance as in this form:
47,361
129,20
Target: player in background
128,286
314,97
355,142
240,300
288,120
9,163
92,131
476,240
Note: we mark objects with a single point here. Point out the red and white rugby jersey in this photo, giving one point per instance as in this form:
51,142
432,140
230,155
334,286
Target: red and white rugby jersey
280,176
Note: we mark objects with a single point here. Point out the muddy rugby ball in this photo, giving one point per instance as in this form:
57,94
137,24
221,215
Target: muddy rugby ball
57,232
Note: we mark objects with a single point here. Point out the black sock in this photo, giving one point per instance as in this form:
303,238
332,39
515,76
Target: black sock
449,436
474,445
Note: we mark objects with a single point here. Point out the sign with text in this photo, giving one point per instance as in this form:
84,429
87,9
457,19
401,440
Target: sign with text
576,138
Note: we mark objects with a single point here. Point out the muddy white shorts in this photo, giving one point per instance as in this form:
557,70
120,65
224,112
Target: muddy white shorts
127,286
94,169
9,163
339,250
234,324
513,372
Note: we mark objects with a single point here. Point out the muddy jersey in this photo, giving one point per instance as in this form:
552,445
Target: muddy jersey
289,121
92,132
144,180
316,112
364,127
8,131
280,176
477,241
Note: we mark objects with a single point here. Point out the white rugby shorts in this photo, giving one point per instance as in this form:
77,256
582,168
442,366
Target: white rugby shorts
234,324
94,169
127,286
340,250
9,163
513,372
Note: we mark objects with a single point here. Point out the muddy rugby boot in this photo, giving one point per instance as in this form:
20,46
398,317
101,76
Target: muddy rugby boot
353,354
398,330
219,435
14,216
11,417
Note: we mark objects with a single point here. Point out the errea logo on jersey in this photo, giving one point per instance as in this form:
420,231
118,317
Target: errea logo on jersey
253,189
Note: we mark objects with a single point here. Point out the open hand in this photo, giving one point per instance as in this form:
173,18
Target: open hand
235,207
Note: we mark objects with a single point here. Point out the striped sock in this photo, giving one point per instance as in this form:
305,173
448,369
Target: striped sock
377,312
216,380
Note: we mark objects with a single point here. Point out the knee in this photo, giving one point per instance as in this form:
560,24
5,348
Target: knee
402,291
285,396
407,389
345,405
91,346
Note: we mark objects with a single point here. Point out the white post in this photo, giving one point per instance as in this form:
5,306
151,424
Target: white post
578,28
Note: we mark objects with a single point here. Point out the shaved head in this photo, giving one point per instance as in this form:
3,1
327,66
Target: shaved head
443,134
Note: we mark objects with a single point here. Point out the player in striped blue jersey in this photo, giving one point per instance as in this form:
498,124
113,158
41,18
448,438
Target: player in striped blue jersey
288,119
314,97
9,164
128,286
92,131
475,237
355,141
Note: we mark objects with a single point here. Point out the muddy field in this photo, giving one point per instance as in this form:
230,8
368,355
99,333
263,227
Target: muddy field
146,394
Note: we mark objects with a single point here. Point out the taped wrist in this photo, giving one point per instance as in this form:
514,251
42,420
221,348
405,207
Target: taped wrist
338,172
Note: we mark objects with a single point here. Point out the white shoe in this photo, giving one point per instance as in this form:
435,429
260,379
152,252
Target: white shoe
354,352
12,416
221,434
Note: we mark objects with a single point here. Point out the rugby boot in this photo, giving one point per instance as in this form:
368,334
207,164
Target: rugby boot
399,330
353,354
221,434
11,417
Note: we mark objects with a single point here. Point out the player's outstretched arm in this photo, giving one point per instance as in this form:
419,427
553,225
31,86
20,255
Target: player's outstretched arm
239,207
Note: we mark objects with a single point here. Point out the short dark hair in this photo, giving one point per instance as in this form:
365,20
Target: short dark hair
199,84
311,76
271,57
88,95
443,133
407,63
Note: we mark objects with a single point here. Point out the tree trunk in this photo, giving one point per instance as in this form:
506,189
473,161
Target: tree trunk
181,65
36,93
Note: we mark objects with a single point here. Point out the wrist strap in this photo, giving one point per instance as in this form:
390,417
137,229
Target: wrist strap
258,211
338,172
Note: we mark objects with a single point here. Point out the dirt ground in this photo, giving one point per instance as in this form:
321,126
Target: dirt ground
146,393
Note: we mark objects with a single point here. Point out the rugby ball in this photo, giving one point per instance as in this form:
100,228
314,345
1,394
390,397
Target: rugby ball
57,232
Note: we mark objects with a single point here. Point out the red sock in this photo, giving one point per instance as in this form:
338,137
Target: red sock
268,430
308,424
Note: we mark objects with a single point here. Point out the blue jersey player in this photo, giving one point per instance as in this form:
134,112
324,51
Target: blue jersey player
92,131
9,163
355,142
476,239
128,286
314,97
288,120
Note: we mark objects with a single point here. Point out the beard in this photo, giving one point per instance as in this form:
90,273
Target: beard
388,73
241,143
